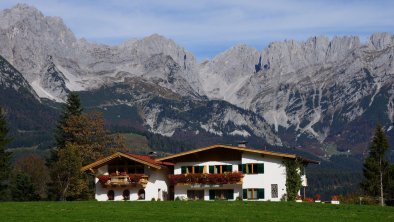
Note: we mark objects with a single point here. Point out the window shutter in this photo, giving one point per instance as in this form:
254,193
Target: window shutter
201,169
260,168
245,194
239,167
212,194
211,169
230,195
260,194
229,168
183,169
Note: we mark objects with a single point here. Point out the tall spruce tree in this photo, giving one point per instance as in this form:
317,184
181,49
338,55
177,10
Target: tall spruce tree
71,108
376,166
5,157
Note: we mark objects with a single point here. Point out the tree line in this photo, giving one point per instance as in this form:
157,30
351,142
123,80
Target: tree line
81,138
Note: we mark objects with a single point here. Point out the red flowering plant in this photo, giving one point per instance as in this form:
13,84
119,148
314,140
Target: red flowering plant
335,198
203,178
317,197
104,178
298,197
308,199
135,178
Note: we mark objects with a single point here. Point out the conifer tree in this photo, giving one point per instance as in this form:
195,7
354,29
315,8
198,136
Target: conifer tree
22,188
376,166
71,108
5,157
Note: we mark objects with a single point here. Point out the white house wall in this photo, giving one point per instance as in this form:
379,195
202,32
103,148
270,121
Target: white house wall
274,173
157,180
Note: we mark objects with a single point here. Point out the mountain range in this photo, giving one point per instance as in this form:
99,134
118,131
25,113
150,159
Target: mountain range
322,95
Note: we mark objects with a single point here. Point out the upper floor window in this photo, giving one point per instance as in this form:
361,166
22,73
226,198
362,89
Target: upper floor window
251,168
220,168
192,169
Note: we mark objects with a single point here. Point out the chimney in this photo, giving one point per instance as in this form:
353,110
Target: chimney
242,144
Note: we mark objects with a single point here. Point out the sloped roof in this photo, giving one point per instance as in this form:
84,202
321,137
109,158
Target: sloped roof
146,160
243,149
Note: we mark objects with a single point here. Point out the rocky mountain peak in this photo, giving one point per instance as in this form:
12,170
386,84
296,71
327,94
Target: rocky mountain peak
380,40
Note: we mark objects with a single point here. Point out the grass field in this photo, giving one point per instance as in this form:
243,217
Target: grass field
190,211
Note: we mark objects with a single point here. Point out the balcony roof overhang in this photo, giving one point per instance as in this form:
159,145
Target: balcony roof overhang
242,149
135,158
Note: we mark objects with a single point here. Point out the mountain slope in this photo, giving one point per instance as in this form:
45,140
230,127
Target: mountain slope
30,120
318,95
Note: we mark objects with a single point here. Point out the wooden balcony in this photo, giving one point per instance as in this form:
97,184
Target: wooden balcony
206,179
123,180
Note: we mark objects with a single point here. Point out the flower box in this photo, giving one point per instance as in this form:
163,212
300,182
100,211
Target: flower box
299,201
204,178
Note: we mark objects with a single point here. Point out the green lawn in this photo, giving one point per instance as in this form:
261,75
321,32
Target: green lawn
190,211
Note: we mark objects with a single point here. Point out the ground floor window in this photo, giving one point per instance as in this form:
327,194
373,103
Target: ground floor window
253,194
221,194
141,194
126,195
195,194
274,190
111,195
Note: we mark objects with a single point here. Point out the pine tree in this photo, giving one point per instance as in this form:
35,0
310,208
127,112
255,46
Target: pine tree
72,108
22,188
5,157
376,166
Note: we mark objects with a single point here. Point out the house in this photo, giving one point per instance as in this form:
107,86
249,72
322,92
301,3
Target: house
209,173
129,177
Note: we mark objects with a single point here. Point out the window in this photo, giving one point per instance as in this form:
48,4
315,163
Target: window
195,194
251,168
111,195
274,190
221,194
126,195
220,168
253,194
192,169
141,194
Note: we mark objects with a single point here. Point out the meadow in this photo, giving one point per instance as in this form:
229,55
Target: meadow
190,211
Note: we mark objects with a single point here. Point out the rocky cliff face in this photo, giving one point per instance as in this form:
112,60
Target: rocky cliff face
28,39
317,94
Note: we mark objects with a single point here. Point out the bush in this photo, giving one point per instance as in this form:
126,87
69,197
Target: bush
177,199
153,199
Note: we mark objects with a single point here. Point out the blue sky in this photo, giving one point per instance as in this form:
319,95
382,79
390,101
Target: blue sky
207,27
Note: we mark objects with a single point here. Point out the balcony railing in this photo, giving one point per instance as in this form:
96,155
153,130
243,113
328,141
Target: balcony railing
123,179
205,178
